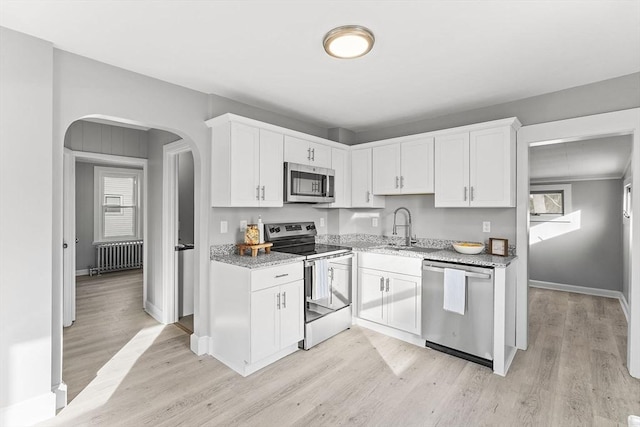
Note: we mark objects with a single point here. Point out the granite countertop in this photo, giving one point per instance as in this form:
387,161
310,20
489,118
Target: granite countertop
444,255
363,243
229,255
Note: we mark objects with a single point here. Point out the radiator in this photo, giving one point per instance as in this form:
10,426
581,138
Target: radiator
118,256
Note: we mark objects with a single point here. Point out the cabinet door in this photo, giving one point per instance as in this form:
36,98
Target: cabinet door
341,164
452,170
416,166
265,323
291,313
361,195
492,168
404,302
371,291
386,169
296,150
320,155
245,165
271,168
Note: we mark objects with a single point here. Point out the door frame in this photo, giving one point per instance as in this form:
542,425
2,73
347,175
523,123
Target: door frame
170,154
69,228
625,122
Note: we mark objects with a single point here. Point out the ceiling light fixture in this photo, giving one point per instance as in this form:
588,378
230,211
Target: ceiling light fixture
348,41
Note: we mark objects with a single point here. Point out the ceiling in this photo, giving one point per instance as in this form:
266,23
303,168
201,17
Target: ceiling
600,158
430,58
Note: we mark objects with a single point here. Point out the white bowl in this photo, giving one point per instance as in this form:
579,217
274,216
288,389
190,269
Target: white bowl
468,248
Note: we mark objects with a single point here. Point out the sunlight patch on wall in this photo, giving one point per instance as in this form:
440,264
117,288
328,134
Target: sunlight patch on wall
557,227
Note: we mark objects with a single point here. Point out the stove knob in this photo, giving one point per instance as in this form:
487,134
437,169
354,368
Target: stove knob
277,229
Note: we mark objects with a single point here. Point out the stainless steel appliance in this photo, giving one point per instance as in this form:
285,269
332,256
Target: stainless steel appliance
308,184
327,279
469,336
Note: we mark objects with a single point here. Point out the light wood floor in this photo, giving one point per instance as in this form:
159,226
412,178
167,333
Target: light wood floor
134,372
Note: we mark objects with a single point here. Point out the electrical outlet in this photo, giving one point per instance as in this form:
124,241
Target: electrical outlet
374,222
321,222
224,227
486,227
243,225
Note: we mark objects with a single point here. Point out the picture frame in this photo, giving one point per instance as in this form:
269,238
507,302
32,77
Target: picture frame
498,246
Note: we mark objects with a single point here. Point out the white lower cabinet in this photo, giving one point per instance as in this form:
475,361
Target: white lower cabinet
388,296
276,319
258,314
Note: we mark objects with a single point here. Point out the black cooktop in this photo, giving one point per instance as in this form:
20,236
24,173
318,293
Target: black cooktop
312,249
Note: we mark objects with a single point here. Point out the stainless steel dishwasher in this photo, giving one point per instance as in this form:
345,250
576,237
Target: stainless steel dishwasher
469,336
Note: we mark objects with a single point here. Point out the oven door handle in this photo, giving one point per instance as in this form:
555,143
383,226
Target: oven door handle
311,262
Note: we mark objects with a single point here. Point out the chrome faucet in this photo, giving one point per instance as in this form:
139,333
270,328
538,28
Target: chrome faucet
407,225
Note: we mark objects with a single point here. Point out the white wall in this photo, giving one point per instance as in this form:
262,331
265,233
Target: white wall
26,314
85,256
106,139
591,255
185,197
428,221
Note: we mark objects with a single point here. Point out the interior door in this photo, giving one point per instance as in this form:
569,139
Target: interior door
69,239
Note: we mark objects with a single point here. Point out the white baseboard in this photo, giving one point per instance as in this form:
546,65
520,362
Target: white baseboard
392,332
625,306
607,293
61,395
29,412
84,272
153,311
200,345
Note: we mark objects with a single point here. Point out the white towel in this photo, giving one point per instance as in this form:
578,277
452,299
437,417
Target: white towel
455,290
320,289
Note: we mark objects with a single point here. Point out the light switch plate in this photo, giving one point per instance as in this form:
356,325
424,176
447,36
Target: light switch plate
224,227
243,225
486,227
321,222
374,222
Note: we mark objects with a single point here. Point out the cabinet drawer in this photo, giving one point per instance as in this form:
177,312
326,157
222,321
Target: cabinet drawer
399,264
273,276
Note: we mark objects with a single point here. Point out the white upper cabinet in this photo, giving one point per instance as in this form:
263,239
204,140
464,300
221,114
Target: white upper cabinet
476,168
341,164
246,166
297,150
404,167
361,180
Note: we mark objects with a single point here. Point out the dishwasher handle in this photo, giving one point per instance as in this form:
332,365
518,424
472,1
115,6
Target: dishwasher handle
466,273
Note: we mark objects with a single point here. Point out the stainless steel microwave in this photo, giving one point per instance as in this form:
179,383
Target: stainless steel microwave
308,184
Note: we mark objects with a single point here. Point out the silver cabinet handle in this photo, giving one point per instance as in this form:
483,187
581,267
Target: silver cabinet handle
465,193
313,154
402,182
263,192
258,192
397,181
471,198
387,289
278,303
309,154
368,196
284,299
281,275
382,284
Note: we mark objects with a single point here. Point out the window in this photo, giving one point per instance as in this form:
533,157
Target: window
626,200
117,204
549,202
